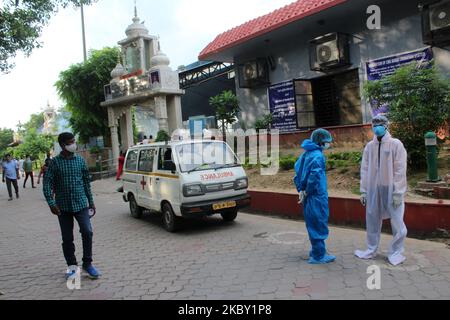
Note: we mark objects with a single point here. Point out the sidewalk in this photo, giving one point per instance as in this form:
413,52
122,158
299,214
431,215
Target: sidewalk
257,257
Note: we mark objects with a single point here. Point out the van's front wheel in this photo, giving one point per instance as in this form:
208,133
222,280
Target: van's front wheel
170,220
135,210
229,215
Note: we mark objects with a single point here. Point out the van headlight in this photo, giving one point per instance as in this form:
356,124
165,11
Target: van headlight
192,190
241,184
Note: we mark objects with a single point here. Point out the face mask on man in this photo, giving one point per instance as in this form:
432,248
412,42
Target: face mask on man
71,148
379,131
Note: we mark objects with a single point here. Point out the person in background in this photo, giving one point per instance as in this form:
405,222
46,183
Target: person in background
10,175
28,168
44,169
145,140
121,163
311,183
21,161
151,140
383,188
67,189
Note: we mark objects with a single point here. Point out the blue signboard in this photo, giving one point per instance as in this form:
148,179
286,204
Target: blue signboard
282,106
377,69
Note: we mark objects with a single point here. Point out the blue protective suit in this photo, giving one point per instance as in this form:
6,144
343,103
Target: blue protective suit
310,177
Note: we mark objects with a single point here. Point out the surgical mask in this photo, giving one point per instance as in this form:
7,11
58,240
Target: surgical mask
379,131
326,146
71,148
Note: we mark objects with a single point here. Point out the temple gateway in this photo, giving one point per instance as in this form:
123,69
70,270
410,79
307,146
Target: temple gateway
146,82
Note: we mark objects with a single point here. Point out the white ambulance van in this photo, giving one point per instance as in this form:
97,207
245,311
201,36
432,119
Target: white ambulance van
184,179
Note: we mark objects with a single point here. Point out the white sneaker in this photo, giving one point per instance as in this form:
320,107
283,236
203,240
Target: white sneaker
71,272
368,254
396,259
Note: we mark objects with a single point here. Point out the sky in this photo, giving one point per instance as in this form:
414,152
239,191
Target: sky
184,26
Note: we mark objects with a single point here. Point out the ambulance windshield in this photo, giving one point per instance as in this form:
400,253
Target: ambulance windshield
205,155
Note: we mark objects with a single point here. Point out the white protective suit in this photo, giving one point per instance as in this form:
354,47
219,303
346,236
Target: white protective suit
383,174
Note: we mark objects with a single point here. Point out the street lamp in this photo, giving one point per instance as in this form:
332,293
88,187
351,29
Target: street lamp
83,32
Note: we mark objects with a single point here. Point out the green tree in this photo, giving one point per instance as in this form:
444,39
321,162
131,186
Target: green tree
34,144
264,123
36,122
226,106
6,137
21,24
418,100
162,136
82,88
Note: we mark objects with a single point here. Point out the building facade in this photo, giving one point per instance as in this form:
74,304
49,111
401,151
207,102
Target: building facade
309,60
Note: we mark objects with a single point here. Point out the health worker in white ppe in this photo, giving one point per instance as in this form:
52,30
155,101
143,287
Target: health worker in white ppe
383,188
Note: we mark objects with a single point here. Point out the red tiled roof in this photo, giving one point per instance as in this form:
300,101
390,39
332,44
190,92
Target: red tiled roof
259,26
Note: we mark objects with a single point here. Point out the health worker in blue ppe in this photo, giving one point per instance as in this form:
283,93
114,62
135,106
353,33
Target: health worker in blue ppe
311,183
383,188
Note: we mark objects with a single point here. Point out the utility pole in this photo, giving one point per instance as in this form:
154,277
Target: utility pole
84,35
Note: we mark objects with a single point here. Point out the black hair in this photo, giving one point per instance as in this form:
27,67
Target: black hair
151,137
64,137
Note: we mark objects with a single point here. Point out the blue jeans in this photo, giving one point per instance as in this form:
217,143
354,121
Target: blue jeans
66,224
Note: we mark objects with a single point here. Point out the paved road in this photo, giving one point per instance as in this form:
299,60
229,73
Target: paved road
254,258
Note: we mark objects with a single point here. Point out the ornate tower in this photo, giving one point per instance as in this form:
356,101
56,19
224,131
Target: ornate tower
138,47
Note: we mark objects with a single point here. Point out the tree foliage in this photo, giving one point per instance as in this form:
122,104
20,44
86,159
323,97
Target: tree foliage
6,137
21,24
264,123
226,106
418,100
36,122
81,87
34,144
162,136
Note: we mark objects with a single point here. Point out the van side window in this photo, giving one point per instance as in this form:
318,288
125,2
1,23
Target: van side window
146,159
131,163
165,162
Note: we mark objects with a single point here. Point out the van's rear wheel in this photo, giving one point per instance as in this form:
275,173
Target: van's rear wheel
135,210
170,221
229,215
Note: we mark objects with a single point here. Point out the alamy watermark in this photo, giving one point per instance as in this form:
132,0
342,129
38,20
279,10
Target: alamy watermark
74,282
374,20
251,148
374,280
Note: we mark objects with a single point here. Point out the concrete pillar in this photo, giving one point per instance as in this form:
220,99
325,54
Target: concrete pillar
115,144
161,113
174,111
112,122
126,130
129,124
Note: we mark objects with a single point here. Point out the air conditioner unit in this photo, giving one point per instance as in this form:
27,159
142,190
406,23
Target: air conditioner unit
329,52
253,73
436,23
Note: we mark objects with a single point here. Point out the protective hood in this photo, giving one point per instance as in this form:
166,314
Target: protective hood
309,145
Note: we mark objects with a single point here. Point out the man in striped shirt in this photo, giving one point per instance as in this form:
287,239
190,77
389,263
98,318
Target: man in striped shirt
67,190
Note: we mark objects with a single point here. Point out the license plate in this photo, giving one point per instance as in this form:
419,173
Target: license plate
224,205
